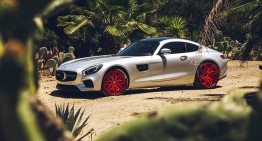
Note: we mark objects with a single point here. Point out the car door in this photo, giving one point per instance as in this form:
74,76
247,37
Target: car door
166,67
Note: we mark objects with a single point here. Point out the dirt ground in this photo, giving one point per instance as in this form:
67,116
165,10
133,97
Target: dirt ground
108,112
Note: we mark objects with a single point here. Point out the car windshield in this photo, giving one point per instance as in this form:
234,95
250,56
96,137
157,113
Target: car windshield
141,48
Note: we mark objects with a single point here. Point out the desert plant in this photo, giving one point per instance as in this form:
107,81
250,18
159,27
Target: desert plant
226,46
61,56
43,53
51,63
71,49
53,58
73,120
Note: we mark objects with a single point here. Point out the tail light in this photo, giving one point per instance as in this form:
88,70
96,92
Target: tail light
222,56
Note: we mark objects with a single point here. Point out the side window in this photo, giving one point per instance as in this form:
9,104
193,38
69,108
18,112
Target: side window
191,47
176,47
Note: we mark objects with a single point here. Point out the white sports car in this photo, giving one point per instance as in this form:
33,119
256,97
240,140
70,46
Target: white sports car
153,62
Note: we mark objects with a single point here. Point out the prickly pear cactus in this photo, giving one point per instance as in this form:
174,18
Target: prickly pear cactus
220,121
68,56
39,64
56,59
226,45
43,53
51,63
55,51
71,49
219,36
219,47
61,57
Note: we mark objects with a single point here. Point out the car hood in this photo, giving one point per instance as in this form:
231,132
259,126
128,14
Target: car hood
89,61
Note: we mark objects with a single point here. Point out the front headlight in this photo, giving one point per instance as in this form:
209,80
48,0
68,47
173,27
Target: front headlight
92,70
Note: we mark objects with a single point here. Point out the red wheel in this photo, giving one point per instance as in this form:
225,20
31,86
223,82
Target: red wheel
207,75
114,83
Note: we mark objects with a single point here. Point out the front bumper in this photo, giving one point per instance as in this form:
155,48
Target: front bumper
81,83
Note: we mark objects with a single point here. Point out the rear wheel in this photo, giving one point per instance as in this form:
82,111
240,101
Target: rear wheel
115,82
207,75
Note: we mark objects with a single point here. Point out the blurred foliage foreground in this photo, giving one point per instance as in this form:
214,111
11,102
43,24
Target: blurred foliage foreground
24,118
228,120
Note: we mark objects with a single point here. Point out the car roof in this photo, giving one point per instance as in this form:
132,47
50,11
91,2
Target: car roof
168,39
159,39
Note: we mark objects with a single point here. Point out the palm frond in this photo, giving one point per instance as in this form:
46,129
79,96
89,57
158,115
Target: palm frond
143,27
144,9
118,30
72,28
73,22
163,22
243,8
177,23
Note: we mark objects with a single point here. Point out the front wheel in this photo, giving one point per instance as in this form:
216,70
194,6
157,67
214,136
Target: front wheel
115,82
207,75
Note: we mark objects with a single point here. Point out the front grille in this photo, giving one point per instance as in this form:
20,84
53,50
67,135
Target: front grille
67,87
65,76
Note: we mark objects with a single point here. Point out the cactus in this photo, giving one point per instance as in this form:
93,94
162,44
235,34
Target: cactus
51,63
219,47
224,120
68,56
71,49
219,36
43,53
61,57
39,64
56,59
55,51
226,46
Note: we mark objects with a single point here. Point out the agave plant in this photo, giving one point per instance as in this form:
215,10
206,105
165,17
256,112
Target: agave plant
73,120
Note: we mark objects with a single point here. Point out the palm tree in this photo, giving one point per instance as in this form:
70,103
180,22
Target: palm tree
136,18
173,27
253,11
177,28
107,19
114,20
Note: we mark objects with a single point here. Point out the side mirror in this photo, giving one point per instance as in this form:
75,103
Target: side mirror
165,51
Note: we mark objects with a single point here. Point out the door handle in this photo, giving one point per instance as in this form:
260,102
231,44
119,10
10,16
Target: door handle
183,58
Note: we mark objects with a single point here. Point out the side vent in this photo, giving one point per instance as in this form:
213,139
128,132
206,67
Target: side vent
142,67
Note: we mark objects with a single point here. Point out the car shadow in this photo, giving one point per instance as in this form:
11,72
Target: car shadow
163,89
76,94
97,95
